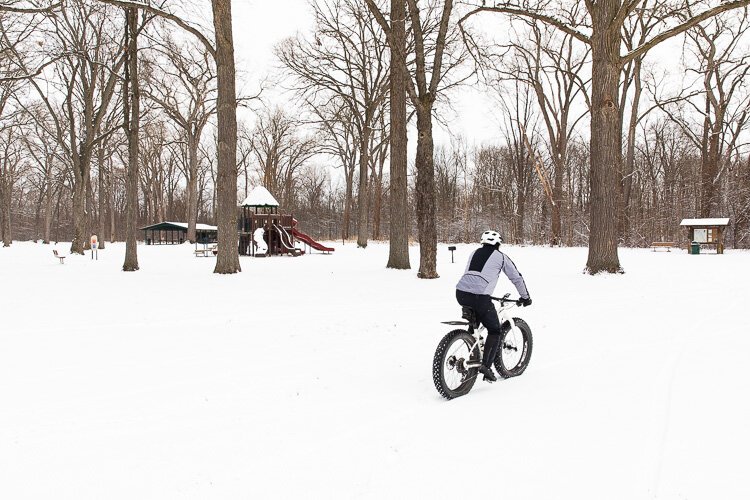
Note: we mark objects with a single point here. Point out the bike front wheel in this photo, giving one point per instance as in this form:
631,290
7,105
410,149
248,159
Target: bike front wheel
450,373
515,349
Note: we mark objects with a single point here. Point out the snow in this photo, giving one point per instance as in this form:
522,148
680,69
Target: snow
705,222
260,197
198,226
311,378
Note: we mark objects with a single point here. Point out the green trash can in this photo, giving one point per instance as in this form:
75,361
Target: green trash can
695,248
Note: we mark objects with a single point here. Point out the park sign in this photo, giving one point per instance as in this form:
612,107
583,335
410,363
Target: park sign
707,231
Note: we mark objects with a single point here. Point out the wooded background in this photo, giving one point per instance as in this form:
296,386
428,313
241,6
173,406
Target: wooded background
323,145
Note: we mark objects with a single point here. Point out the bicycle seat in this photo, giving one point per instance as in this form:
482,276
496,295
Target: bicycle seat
469,315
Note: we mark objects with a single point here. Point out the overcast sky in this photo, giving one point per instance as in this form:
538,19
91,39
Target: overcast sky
260,24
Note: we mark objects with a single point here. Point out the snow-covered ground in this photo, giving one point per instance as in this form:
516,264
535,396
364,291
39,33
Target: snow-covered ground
310,377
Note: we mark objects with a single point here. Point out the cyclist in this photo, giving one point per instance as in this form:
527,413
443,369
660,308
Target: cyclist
478,283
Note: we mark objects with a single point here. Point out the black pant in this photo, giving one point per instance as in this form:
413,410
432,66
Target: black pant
487,316
485,311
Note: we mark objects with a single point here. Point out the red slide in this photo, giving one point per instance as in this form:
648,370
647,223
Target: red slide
314,244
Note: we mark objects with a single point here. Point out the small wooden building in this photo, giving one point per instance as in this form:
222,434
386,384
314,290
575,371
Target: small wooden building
175,233
706,232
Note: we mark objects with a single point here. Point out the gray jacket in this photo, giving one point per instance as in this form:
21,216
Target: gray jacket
484,268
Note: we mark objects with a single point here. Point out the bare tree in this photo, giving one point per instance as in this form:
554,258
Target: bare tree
131,124
432,62
83,52
738,201
152,171
520,121
345,61
228,260
398,252
45,154
378,156
338,140
245,154
605,21
184,89
636,31
549,64
10,174
280,151
22,7
721,104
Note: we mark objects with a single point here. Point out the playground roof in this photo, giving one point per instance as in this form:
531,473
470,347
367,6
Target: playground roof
260,197
177,226
705,222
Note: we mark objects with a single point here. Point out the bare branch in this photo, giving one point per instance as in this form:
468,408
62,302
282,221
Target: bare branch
5,7
520,12
694,21
128,4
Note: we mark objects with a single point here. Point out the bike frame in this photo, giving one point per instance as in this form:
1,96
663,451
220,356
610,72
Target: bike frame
503,314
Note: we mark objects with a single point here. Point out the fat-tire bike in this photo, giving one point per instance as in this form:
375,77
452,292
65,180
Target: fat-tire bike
459,354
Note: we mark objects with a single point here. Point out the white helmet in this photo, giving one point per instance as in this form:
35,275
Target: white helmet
491,238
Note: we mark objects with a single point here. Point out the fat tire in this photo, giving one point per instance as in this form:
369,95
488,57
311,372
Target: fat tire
528,343
438,365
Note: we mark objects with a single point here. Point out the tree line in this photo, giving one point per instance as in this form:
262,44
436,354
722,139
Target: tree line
116,113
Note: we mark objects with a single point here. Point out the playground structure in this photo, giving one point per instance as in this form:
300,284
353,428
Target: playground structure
263,231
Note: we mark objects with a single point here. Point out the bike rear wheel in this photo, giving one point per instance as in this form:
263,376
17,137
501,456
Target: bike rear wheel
515,349
449,372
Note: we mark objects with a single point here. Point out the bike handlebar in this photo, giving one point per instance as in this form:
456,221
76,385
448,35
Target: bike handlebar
504,299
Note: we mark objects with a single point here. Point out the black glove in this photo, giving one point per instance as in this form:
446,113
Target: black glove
524,302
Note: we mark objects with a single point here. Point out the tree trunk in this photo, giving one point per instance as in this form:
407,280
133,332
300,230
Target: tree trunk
521,212
425,190
133,125
606,141
557,195
228,259
377,206
398,256
710,167
91,215
627,174
7,232
377,199
102,219
38,215
192,186
4,213
348,204
362,194
79,203
111,203
48,202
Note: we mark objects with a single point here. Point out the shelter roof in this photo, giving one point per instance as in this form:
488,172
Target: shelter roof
260,197
705,222
177,226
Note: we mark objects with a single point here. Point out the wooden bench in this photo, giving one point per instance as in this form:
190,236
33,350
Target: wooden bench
61,257
662,244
